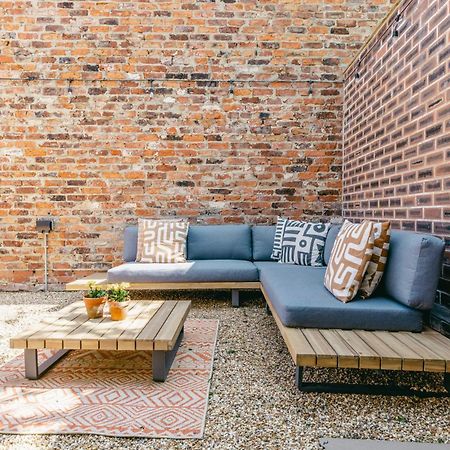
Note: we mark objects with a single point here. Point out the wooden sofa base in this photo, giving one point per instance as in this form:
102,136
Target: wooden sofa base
101,280
428,351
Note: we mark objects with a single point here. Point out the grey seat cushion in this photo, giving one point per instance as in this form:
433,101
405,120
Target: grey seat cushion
413,267
191,271
219,242
262,242
301,300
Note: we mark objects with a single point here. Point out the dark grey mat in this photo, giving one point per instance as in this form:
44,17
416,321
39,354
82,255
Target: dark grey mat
361,444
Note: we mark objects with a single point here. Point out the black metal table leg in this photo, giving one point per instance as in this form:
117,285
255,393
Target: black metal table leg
32,368
162,360
367,389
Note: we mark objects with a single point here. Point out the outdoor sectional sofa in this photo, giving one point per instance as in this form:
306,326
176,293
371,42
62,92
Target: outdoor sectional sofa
241,254
320,331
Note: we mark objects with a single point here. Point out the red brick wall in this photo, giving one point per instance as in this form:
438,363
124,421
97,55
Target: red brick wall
397,126
87,138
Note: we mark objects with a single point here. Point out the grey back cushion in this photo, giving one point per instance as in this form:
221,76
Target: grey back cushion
219,242
331,237
413,267
130,238
262,242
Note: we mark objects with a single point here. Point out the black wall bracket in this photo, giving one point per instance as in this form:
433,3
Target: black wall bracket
45,225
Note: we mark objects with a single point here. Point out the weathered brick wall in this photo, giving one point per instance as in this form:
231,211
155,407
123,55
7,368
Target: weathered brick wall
88,138
397,127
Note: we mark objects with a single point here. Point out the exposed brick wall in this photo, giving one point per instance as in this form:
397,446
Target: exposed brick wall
397,127
111,145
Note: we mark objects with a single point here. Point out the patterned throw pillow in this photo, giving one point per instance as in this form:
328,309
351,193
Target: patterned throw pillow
279,230
349,258
375,269
303,243
140,237
162,241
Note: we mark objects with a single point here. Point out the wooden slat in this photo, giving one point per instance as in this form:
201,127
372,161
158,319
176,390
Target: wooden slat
326,356
368,358
55,340
431,361
20,340
410,359
78,339
437,343
127,340
389,359
64,323
106,328
347,357
73,340
105,338
169,332
101,280
145,339
301,351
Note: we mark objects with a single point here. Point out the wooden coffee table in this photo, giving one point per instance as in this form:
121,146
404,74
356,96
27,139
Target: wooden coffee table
156,326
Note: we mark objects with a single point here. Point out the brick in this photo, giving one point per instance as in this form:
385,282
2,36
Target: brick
102,144
397,120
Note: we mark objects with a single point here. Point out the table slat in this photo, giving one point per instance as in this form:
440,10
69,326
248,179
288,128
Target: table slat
347,357
389,359
167,335
144,341
106,337
368,358
62,324
127,339
431,361
326,356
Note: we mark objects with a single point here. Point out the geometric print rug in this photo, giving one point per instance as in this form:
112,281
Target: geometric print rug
112,393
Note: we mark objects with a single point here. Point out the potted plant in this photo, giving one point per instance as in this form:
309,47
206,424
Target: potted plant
94,301
118,300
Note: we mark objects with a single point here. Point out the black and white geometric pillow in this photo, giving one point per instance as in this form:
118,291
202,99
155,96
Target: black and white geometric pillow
303,243
279,230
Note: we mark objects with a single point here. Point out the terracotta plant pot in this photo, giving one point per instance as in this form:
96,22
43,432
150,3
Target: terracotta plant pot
94,307
118,310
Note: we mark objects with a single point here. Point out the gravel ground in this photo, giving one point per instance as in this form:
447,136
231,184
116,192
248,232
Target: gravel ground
253,400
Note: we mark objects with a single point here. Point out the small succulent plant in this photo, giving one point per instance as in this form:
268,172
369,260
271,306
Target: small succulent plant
94,291
118,292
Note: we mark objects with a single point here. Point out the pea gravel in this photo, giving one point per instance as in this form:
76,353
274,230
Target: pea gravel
253,400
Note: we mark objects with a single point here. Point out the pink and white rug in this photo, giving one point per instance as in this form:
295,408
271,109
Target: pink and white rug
112,393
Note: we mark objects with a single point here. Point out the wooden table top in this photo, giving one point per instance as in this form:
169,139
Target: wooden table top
150,325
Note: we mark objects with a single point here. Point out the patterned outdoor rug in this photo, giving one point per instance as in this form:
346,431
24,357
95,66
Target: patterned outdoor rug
112,393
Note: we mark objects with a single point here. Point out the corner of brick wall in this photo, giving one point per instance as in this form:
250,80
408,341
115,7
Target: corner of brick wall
397,127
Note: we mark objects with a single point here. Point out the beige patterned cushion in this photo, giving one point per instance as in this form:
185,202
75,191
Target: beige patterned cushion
161,241
349,258
375,269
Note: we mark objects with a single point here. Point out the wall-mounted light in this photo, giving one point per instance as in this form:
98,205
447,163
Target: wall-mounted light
69,89
263,116
231,91
152,89
310,90
357,73
395,32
